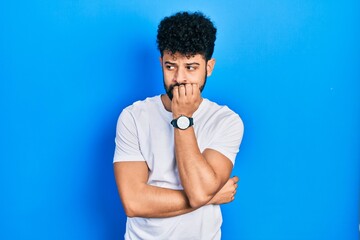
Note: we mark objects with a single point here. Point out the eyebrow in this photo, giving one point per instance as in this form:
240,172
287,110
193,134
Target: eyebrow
192,63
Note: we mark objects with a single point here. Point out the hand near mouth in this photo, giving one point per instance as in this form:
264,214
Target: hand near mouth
186,99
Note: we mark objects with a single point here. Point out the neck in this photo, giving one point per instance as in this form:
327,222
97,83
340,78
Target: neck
166,102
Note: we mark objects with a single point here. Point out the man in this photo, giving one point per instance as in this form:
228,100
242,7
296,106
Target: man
175,152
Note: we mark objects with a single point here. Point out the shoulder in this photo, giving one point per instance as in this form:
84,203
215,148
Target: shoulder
139,110
222,114
146,104
223,127
144,108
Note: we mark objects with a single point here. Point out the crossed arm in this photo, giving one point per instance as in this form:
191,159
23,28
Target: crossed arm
143,200
140,199
204,175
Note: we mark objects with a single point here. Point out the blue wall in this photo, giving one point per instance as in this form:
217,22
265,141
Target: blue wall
291,69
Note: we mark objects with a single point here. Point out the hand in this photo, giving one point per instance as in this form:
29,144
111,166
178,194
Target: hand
186,100
226,193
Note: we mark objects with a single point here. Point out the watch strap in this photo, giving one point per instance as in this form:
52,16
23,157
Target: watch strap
174,122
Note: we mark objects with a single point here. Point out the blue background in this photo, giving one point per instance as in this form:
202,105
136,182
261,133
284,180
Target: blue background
291,69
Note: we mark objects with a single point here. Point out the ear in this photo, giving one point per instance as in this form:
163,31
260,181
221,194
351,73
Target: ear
161,60
210,66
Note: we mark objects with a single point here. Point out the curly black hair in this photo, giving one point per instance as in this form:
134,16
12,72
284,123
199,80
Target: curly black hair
187,33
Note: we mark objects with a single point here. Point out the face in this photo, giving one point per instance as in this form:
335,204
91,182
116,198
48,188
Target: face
179,69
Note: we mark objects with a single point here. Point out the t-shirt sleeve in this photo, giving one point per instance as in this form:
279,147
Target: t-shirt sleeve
228,137
127,144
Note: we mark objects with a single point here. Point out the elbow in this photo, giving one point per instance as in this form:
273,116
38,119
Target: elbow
133,204
130,209
199,200
200,197
136,208
131,214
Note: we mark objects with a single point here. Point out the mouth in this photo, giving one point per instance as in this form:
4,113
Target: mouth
175,85
171,88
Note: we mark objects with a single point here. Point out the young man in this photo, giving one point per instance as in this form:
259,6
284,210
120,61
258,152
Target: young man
175,152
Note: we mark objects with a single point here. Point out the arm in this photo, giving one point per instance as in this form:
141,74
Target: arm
226,193
140,199
202,174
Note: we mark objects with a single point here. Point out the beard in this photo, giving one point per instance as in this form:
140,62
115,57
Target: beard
169,90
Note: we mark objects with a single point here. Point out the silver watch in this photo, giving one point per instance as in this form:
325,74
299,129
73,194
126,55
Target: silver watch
182,122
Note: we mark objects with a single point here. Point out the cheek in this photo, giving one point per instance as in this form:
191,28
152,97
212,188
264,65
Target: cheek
198,77
169,77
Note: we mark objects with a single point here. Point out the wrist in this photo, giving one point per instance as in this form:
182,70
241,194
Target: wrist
182,122
177,115
210,202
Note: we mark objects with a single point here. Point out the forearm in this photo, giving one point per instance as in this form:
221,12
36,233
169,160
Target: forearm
198,178
202,174
156,202
143,200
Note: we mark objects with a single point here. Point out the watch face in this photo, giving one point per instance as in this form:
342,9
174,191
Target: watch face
183,122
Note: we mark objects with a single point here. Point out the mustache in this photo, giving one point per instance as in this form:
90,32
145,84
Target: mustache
171,88
169,92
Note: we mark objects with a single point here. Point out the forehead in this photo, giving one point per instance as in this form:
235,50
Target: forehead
178,57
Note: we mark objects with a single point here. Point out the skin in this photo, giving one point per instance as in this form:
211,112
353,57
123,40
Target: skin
204,175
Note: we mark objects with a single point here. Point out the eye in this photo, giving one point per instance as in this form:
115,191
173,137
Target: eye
169,67
191,68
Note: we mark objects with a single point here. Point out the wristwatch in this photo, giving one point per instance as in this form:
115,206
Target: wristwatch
182,122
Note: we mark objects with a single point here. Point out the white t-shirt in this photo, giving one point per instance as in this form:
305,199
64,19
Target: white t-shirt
144,133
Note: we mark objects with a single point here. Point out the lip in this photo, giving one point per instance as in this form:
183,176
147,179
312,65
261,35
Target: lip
171,89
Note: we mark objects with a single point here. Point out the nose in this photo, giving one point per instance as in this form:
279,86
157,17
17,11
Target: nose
180,76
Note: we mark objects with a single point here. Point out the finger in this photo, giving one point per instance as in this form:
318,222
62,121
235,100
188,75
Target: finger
196,86
235,185
235,179
176,92
189,89
196,89
182,90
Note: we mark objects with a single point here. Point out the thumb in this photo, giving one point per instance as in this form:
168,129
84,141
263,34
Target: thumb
235,179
